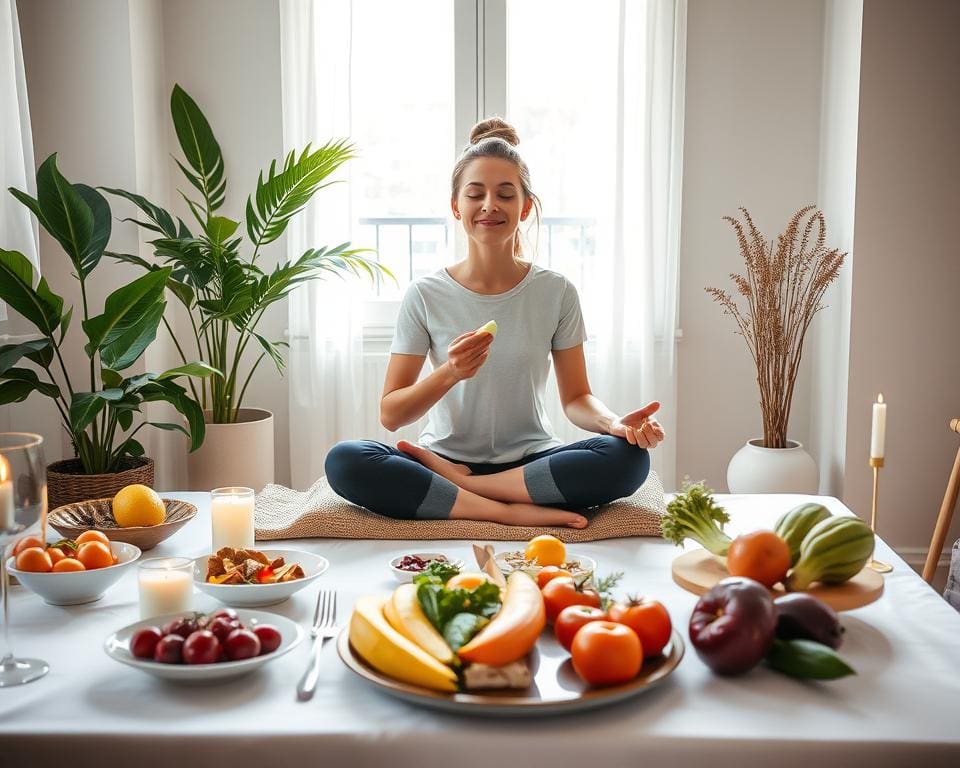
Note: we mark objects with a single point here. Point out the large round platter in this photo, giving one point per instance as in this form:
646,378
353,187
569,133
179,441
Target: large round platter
71,520
258,595
698,570
117,647
556,689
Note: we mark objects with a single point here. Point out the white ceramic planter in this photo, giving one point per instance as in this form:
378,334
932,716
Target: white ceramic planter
234,454
755,469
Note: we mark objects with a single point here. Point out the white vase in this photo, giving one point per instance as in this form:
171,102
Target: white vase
234,454
755,469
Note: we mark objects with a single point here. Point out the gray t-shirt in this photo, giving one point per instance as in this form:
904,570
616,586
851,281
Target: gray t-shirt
498,415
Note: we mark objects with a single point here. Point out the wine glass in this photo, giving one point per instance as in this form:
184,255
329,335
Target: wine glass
23,503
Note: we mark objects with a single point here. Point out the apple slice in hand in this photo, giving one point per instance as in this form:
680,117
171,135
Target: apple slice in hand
490,328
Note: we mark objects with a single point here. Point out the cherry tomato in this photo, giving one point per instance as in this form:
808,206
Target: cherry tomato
562,592
605,653
572,618
269,637
649,619
202,647
241,644
144,642
550,573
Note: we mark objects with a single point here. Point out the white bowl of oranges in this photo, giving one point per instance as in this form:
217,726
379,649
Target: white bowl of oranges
71,571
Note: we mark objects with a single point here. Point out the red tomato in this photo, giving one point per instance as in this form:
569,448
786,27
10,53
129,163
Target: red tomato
549,573
605,653
649,619
572,618
563,592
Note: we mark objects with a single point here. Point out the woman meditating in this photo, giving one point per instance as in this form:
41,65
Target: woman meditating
487,451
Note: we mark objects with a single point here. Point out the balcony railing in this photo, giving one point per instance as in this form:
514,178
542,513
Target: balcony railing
414,246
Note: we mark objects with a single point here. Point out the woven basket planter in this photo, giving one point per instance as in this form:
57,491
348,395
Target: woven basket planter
67,484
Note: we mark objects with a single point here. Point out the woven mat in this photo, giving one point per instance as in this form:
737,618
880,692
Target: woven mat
282,513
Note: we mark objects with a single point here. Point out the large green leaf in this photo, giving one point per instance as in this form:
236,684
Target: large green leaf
162,221
219,228
47,388
14,391
199,369
84,407
127,312
66,215
10,354
102,224
39,305
124,350
200,148
284,194
170,392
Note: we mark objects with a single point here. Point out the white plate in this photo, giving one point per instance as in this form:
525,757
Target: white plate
258,595
406,576
78,587
117,647
587,564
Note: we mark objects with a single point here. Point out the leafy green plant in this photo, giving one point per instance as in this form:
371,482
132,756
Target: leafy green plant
99,420
225,294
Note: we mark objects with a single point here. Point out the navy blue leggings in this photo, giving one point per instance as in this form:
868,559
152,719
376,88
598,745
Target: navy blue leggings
578,476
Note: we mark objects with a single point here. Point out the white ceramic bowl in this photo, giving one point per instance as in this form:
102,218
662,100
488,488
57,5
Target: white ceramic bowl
117,647
587,564
77,587
258,595
406,576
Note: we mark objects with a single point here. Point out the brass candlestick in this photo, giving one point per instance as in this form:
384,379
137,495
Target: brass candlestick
877,565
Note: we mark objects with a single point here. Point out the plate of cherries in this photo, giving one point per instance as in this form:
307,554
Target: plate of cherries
202,647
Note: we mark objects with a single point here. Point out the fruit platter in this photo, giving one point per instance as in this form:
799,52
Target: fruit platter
478,641
809,550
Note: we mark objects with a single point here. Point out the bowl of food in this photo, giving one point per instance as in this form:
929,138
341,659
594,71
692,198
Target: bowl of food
256,577
72,571
577,565
203,648
406,567
136,515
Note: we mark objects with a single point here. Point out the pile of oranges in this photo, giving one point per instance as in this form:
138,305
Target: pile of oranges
90,550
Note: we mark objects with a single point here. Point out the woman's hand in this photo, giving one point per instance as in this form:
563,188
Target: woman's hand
638,428
467,353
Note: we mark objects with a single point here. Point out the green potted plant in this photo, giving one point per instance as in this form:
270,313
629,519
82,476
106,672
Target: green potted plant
226,293
98,408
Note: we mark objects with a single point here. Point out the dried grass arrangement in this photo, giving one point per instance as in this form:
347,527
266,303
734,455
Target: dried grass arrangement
783,287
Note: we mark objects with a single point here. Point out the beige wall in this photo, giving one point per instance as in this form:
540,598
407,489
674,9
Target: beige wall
905,312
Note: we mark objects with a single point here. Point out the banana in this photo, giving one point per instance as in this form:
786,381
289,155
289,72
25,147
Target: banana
405,615
514,630
385,649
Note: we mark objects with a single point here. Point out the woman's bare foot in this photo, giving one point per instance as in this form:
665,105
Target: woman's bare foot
470,506
431,461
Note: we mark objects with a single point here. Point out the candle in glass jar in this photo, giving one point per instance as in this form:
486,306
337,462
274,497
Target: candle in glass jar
879,431
166,586
8,519
231,517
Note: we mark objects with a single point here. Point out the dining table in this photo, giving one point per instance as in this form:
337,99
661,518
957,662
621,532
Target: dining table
901,708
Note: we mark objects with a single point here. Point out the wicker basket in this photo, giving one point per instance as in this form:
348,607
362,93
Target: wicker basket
71,520
67,484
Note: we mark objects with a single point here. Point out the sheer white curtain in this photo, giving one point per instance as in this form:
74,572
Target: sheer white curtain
18,229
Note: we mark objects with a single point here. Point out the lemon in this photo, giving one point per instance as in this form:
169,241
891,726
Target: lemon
490,328
138,505
546,550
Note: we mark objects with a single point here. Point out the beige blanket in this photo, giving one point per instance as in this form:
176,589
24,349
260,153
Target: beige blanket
282,513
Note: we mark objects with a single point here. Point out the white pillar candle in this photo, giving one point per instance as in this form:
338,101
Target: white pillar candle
879,431
8,513
166,586
231,518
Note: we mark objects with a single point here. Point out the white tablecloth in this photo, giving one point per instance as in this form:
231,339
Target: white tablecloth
903,708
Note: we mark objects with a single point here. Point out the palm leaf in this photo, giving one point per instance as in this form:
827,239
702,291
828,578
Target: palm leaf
284,194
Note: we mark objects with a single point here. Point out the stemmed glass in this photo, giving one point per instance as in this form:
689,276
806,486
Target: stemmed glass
23,502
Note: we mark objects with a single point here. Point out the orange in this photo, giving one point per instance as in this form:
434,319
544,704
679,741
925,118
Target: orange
95,554
34,559
761,555
56,554
467,581
29,541
546,550
138,505
68,564
86,536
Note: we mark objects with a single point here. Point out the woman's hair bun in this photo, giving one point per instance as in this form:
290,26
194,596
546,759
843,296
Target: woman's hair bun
494,127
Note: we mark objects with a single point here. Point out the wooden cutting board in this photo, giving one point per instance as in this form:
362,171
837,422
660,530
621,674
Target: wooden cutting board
699,570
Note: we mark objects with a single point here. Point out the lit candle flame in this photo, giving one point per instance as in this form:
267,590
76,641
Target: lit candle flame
4,470
880,398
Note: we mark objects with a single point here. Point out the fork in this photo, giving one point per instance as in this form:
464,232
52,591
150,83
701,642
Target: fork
324,627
